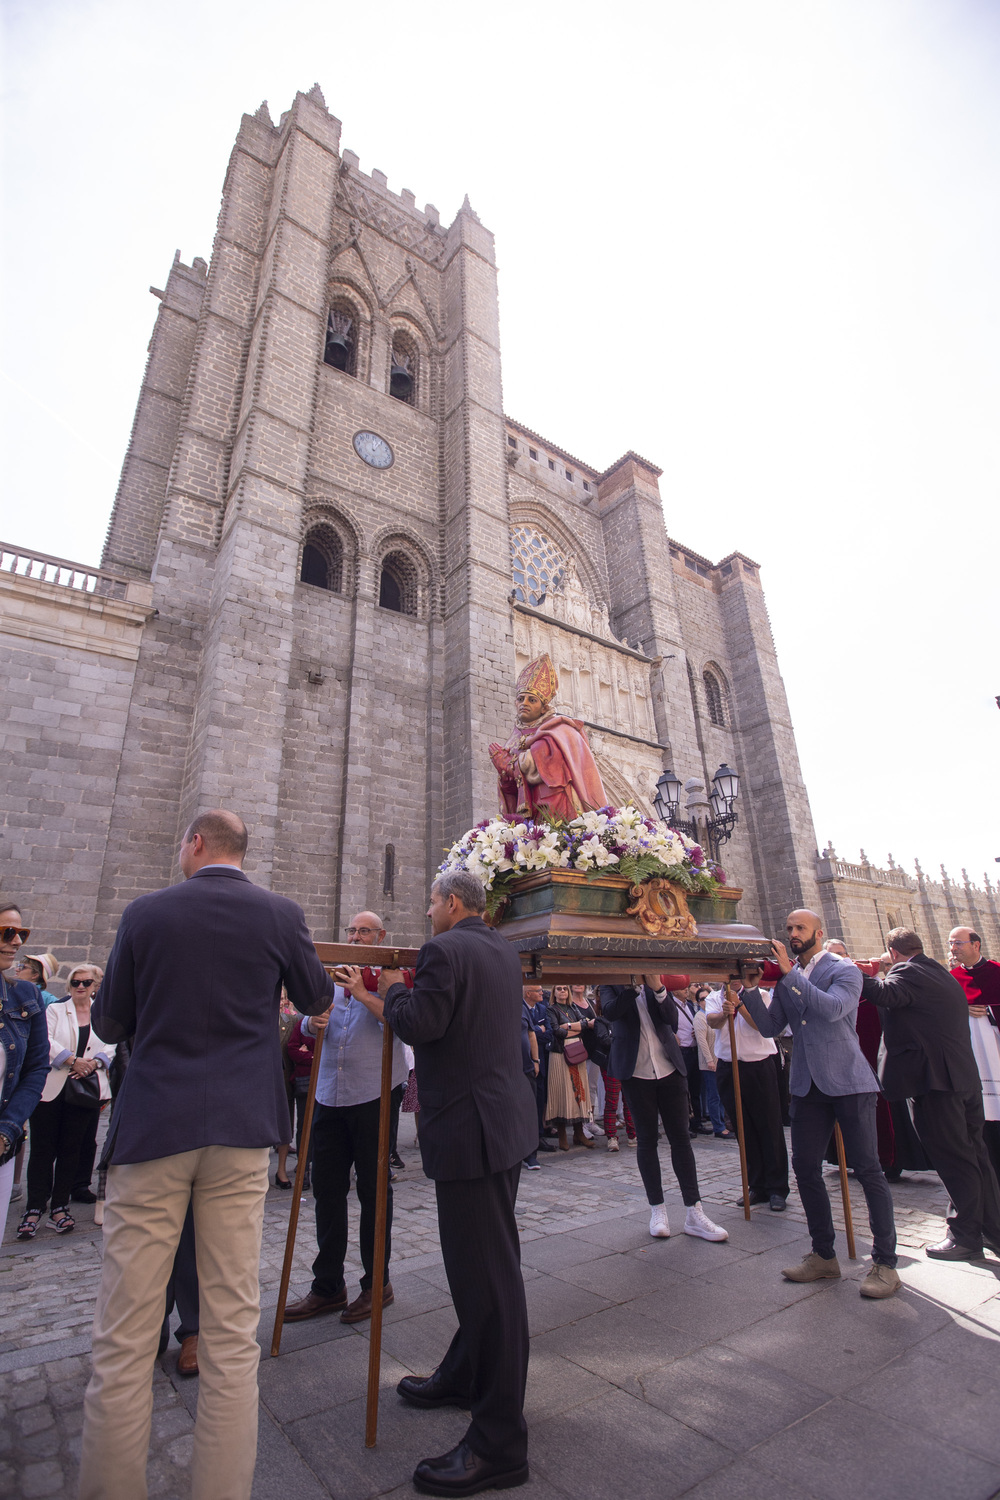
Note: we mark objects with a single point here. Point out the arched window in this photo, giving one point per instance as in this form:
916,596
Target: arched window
403,372
713,697
341,350
398,584
323,559
537,564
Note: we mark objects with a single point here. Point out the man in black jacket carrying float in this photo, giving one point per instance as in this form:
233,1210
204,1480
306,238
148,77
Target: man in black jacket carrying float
478,1122
929,1059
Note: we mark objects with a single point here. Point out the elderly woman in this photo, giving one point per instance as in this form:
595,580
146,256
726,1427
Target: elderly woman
568,1099
76,1087
25,1057
39,969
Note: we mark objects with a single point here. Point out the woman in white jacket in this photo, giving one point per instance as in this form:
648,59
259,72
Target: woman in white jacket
59,1123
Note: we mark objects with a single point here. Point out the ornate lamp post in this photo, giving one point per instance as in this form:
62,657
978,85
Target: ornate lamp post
718,829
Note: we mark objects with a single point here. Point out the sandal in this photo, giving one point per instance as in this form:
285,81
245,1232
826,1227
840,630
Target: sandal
61,1220
28,1227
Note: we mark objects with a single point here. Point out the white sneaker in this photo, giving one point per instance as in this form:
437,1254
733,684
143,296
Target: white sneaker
697,1222
659,1224
612,1143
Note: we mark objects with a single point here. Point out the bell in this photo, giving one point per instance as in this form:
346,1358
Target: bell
400,381
338,350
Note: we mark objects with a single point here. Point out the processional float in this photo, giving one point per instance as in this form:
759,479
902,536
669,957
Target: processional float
587,894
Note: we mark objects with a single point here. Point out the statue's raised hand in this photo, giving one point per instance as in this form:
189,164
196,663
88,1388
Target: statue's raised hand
501,758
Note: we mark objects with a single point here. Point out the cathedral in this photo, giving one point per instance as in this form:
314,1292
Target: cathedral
329,556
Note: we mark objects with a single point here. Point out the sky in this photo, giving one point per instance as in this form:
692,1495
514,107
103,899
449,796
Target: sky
753,240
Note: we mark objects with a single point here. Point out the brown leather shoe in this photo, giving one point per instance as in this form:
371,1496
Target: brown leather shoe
312,1306
361,1307
187,1360
579,1139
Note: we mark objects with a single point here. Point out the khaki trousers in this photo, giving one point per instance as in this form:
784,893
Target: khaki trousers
144,1215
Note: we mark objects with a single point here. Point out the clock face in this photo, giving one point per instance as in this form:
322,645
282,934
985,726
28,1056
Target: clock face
373,450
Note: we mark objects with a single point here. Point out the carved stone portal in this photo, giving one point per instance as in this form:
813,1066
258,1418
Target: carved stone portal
661,909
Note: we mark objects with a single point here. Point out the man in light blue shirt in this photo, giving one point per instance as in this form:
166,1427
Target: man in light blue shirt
345,1134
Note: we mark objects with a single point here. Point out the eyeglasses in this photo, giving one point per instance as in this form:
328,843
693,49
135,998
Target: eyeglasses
80,984
357,931
8,934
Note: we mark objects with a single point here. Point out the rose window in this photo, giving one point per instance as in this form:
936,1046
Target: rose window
537,564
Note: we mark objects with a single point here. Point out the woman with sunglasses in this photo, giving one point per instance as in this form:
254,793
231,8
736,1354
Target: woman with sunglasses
64,1119
24,1053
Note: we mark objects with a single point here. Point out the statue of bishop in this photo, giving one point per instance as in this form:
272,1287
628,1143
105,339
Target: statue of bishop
546,766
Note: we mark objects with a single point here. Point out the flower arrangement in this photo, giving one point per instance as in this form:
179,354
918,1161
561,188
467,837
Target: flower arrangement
610,841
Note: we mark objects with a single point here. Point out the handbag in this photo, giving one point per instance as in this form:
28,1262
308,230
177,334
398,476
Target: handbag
574,1051
83,1093
597,1041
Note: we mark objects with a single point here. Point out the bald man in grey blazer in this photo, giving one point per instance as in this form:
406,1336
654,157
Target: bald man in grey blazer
831,1083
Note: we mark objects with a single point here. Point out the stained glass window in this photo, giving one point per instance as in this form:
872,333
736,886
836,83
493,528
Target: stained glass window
537,564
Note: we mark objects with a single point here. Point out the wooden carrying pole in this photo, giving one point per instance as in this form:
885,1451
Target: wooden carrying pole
842,1163
381,1214
738,1122
293,1217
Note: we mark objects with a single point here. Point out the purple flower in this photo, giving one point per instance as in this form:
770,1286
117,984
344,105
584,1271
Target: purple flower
720,875
697,856
509,848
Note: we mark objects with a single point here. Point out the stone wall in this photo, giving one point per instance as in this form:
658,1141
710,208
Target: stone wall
353,736
862,903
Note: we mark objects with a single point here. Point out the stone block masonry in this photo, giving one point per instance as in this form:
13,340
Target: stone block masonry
349,723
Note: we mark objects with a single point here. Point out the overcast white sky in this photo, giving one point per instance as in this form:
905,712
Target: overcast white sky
754,240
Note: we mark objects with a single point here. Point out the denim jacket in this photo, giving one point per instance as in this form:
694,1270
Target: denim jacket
24,1036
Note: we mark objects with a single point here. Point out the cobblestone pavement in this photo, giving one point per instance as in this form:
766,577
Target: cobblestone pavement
47,1291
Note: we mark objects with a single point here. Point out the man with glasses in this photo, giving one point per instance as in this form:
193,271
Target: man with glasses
345,1134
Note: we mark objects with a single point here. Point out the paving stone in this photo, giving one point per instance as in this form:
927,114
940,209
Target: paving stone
591,1448
736,1401
845,1449
960,1409
617,1344
836,1338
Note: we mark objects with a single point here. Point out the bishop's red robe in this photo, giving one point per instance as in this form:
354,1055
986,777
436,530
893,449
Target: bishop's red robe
571,782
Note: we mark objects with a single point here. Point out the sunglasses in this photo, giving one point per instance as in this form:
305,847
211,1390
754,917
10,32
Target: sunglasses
80,984
8,934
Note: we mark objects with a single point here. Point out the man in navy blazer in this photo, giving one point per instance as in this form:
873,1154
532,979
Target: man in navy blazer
831,1082
478,1122
202,1103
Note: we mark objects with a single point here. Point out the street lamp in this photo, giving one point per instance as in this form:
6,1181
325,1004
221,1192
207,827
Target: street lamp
718,830
667,797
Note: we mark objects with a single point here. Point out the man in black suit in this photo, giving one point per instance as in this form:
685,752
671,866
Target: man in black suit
929,1059
477,1124
201,1104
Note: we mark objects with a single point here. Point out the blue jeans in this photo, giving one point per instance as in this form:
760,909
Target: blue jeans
711,1104
813,1117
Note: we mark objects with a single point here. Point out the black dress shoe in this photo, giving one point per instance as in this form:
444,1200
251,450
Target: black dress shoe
950,1249
462,1472
754,1198
83,1195
546,1145
777,1203
428,1390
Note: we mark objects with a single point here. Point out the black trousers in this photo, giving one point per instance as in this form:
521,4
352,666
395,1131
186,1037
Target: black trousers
693,1065
343,1138
763,1137
297,1109
813,1117
950,1127
88,1151
488,1357
58,1130
651,1100
182,1288
541,1098
395,1102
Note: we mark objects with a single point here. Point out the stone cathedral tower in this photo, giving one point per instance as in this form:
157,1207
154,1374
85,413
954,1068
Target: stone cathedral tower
350,552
